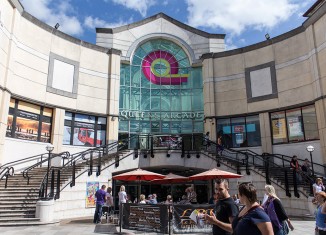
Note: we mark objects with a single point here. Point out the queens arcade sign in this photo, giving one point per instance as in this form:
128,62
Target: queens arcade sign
160,115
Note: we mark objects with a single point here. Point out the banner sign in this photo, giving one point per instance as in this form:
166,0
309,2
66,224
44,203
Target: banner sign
91,188
144,217
190,218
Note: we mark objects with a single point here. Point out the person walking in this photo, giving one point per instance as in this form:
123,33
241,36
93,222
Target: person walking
100,196
321,213
274,209
225,210
252,219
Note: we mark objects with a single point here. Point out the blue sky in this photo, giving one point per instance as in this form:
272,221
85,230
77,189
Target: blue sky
244,22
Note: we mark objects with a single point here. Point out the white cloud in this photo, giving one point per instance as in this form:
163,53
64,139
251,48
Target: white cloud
137,5
62,12
238,15
92,23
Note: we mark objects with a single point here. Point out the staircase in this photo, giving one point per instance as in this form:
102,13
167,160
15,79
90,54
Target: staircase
18,200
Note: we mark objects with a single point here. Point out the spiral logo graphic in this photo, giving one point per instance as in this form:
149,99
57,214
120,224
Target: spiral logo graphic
162,68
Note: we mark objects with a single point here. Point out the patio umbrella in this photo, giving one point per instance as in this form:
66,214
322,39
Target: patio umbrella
214,174
170,179
138,175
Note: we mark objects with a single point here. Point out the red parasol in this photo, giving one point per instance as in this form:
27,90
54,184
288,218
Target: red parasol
138,174
170,179
214,174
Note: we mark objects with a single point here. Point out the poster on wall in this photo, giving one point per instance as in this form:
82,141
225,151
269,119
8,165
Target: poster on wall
279,128
295,127
239,138
91,188
26,129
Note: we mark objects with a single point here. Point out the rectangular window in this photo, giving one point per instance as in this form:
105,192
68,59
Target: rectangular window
253,131
310,123
294,125
29,121
239,137
84,130
239,131
279,127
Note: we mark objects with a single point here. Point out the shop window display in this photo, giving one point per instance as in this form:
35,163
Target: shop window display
29,121
239,132
84,130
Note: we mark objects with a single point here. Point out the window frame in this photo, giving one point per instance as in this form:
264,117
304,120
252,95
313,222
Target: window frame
286,125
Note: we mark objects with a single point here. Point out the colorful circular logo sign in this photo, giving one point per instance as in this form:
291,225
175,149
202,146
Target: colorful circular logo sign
162,68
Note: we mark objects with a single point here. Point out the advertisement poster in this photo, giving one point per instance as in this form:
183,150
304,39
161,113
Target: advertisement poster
279,128
295,127
239,138
91,188
190,218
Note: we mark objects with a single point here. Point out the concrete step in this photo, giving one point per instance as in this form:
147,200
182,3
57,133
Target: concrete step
19,220
12,216
18,207
18,203
17,211
21,199
26,223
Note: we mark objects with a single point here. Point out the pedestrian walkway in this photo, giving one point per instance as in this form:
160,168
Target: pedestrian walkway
85,227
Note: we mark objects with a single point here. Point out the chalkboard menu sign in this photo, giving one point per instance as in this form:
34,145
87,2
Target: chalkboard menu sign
145,217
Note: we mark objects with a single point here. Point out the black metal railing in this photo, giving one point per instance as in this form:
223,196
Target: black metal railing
44,160
269,164
5,173
92,157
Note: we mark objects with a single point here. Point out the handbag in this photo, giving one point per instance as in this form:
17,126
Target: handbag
286,228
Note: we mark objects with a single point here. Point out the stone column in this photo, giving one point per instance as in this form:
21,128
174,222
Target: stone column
4,109
320,106
265,133
58,118
209,97
113,95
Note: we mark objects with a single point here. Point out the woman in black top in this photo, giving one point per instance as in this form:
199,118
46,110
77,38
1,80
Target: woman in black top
273,207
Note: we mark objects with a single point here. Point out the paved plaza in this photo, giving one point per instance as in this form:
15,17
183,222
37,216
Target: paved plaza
84,227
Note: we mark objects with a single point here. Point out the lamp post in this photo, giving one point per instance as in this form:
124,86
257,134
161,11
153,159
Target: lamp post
310,149
48,148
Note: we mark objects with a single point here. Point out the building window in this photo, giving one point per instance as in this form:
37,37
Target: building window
294,125
239,132
29,121
160,92
84,130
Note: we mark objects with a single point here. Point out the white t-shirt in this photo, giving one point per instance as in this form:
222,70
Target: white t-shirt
122,197
109,200
319,188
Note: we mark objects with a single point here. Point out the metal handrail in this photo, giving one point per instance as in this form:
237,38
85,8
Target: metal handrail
24,160
26,172
89,156
6,172
250,158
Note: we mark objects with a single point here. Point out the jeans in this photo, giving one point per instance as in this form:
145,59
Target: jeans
98,213
279,232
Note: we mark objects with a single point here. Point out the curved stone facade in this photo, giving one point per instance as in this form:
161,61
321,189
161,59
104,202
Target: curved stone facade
286,72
